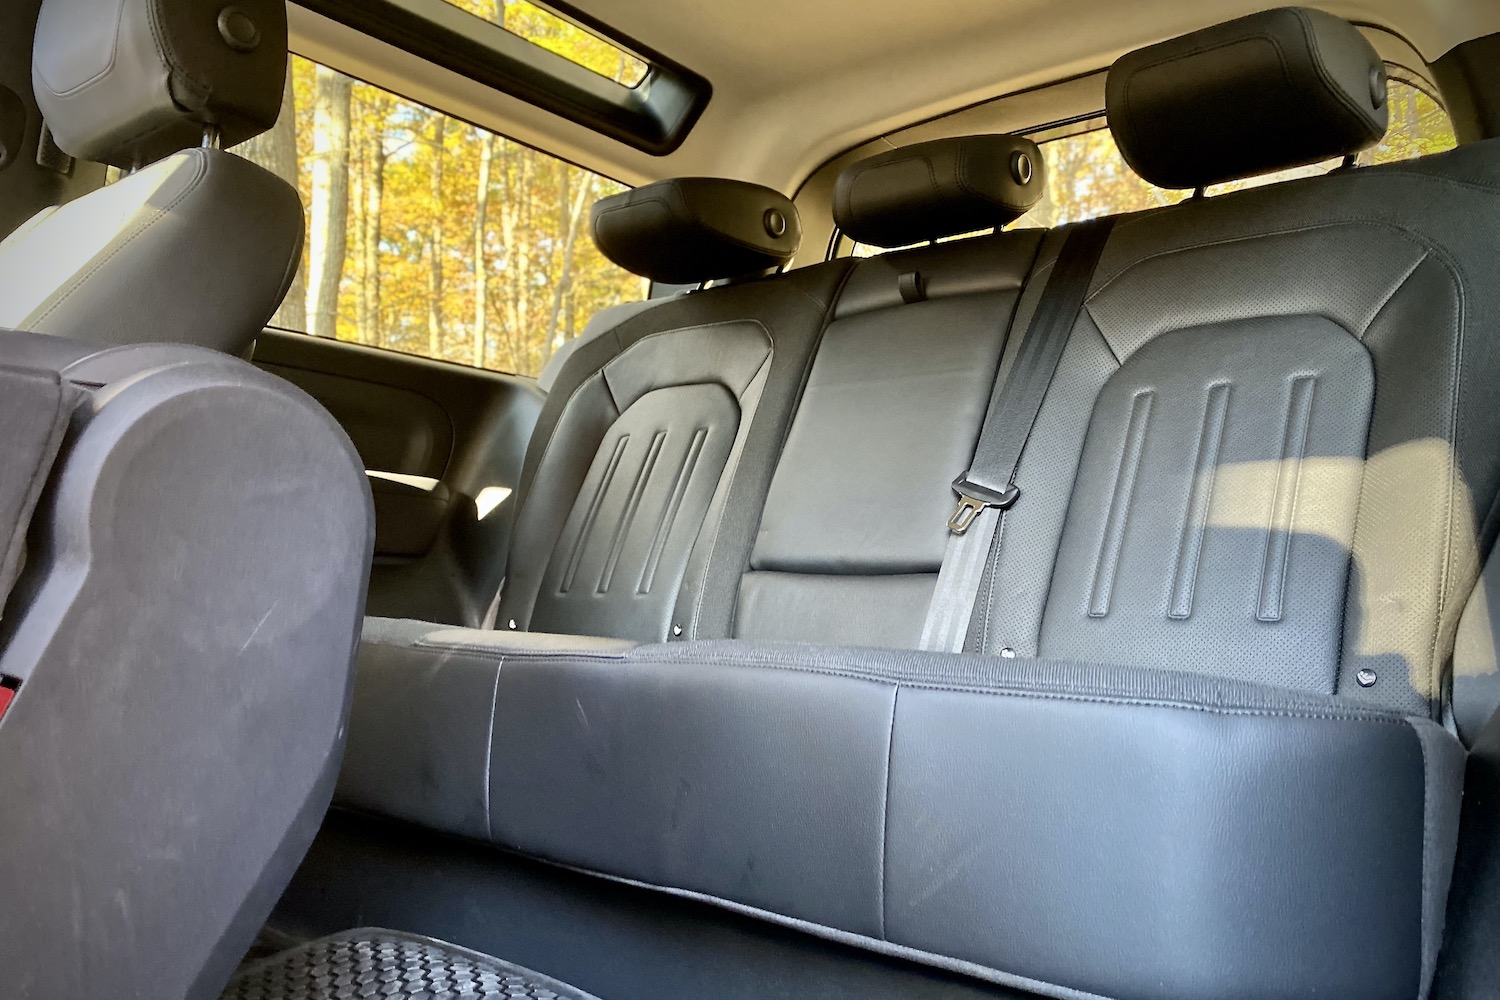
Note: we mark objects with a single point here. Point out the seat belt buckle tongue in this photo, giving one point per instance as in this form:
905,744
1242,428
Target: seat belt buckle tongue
972,500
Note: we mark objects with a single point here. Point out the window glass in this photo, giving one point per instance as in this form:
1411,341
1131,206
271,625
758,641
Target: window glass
431,236
1087,178
555,34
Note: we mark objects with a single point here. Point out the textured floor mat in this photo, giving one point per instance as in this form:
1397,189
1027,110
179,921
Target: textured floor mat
389,965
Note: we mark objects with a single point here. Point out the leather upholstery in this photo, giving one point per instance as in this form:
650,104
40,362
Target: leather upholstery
1272,90
1195,749
653,455
127,82
954,813
695,229
857,510
939,188
217,238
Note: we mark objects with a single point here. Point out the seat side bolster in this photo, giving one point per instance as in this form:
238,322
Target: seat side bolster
424,707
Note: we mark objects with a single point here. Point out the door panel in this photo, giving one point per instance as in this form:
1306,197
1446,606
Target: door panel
445,443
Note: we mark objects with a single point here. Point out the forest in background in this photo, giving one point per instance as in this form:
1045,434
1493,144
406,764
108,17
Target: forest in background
431,236
428,235
1088,178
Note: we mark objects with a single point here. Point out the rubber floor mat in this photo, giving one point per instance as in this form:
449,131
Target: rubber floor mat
390,965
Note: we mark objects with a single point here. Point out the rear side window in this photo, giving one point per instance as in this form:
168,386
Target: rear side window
1087,178
431,236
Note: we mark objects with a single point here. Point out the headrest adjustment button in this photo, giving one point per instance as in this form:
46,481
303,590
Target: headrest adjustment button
1021,168
238,30
775,223
1377,86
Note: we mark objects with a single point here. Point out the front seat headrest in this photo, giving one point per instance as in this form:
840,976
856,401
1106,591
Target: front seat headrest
940,188
127,82
1274,90
696,229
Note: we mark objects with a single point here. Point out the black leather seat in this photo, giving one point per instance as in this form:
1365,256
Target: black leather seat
1196,745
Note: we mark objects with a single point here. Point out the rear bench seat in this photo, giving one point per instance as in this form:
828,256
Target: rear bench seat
1194,746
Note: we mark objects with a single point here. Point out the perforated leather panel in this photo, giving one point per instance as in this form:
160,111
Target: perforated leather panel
622,552
1213,513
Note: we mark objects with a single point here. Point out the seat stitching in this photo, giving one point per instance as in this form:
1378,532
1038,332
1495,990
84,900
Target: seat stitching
746,423
489,753
193,185
1415,237
1427,806
885,807
854,673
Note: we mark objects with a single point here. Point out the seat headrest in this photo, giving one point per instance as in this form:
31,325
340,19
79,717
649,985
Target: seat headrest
940,188
1274,90
128,82
695,229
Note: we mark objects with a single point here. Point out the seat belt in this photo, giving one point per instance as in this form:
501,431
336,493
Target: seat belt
988,488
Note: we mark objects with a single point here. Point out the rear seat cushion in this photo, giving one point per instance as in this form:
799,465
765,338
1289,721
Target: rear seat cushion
944,807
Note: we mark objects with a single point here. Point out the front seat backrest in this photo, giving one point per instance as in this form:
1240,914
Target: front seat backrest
195,245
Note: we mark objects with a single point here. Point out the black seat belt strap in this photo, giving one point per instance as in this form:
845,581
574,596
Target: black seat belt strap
988,488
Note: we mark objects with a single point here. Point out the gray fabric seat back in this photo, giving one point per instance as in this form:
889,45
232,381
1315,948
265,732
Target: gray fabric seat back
176,651
196,245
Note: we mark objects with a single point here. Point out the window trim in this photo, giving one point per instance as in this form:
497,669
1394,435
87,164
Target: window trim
654,116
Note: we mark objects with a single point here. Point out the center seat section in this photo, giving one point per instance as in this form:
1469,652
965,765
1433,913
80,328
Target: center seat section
1194,747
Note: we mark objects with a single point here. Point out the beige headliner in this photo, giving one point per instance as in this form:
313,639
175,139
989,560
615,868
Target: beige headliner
796,82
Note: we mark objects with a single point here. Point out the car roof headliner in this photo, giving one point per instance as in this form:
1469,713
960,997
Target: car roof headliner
796,82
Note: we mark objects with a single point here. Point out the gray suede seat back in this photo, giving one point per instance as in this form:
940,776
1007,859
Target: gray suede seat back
180,641
195,245
655,446
184,540
1196,746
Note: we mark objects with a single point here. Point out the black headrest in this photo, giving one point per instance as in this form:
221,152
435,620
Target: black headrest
1274,90
940,188
127,82
696,229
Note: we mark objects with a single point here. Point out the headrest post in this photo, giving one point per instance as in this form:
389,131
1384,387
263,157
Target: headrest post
213,138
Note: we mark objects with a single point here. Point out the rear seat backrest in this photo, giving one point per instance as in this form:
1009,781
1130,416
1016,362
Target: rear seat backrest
853,532
1267,395
658,435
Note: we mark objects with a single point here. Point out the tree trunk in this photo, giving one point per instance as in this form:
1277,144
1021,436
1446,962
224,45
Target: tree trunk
435,244
564,281
330,200
481,260
369,320
276,150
